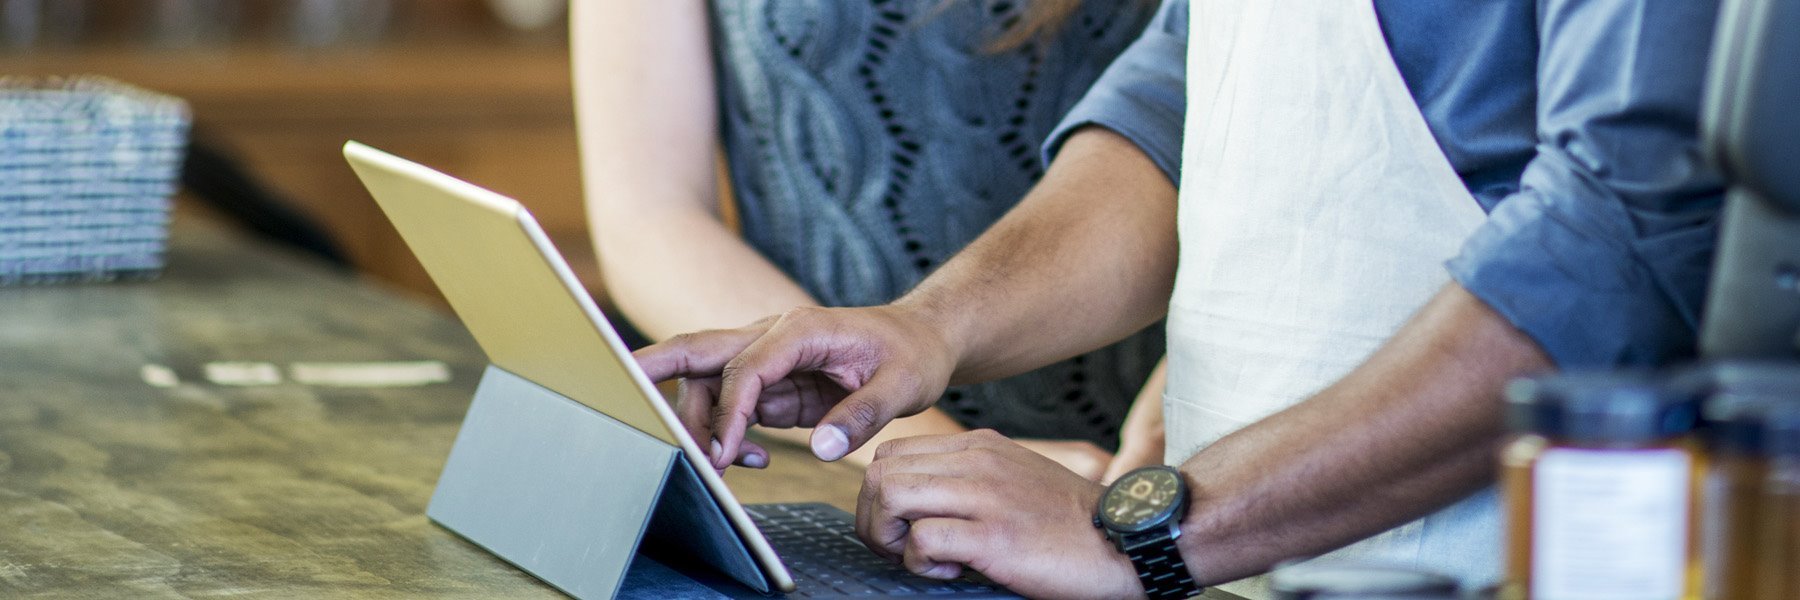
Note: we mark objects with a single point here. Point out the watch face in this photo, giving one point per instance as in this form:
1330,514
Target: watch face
1140,500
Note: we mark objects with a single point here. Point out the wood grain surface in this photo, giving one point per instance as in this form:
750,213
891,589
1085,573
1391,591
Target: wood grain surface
113,488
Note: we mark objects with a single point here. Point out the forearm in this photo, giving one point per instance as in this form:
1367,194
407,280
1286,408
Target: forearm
1411,430
1141,436
647,122
1090,250
675,273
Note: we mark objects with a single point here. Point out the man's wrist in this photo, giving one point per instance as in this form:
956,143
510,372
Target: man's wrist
1126,583
1193,529
1142,514
940,318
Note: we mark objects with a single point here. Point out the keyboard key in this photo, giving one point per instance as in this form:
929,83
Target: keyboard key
889,586
852,588
819,547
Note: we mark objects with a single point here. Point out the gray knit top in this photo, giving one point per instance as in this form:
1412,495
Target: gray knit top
869,140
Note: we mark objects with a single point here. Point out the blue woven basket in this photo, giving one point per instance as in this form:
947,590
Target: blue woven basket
87,170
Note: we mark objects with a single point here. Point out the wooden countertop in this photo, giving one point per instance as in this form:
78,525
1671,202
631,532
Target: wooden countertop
111,487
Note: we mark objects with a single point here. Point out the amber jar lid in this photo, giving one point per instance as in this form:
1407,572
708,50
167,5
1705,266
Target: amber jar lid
1738,396
1603,407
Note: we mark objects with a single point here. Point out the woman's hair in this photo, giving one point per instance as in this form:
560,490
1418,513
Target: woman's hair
1038,19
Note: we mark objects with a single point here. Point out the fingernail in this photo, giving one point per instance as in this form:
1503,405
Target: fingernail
830,443
717,449
756,461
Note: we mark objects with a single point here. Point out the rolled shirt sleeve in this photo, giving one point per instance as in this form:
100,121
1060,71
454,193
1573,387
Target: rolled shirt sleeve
1602,256
1142,95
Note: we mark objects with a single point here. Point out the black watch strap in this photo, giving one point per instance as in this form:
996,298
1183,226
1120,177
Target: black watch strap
1160,568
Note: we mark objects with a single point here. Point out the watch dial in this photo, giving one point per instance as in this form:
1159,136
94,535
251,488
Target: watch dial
1141,498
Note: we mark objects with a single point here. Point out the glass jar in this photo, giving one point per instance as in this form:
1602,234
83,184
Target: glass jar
1737,397
1601,484
1779,521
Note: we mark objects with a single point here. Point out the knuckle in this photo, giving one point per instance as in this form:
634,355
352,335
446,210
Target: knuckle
862,415
932,540
986,459
719,414
909,383
889,494
884,450
737,372
901,484
986,435
771,416
733,369
798,314
682,354
885,501
873,475
898,492
866,502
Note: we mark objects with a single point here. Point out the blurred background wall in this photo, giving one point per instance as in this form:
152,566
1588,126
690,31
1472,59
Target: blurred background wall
477,88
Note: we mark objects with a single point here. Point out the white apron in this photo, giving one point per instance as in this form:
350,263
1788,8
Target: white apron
1316,213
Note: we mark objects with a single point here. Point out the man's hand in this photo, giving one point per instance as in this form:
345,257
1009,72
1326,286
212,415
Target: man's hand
846,372
1081,457
979,500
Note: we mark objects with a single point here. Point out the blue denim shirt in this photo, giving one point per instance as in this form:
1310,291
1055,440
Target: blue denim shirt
1573,123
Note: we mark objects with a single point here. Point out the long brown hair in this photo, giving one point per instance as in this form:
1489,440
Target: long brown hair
1038,20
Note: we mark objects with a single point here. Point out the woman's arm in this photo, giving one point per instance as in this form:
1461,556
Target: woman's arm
1141,436
647,117
646,114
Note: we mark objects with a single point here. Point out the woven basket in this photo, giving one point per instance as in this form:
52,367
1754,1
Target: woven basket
87,170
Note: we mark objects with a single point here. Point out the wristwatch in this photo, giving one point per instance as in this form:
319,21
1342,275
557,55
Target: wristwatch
1141,513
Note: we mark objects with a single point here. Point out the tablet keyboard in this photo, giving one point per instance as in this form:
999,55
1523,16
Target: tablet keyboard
818,544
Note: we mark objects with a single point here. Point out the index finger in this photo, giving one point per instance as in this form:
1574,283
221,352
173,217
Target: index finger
698,354
895,494
765,360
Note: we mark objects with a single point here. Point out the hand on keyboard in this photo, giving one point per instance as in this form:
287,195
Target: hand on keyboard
819,545
981,501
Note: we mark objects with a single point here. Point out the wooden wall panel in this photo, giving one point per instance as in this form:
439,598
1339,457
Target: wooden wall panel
494,110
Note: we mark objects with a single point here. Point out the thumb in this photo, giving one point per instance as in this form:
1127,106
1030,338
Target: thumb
858,417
